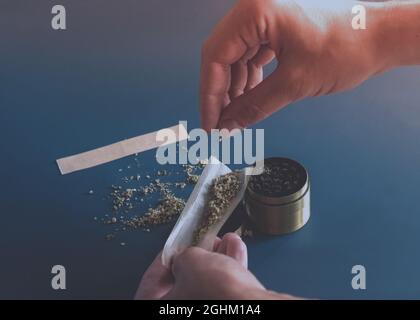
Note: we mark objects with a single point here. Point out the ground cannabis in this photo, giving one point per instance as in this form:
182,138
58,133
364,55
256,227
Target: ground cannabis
168,208
222,190
125,202
279,178
189,171
109,237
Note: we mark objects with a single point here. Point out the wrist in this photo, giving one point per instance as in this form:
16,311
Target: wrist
395,33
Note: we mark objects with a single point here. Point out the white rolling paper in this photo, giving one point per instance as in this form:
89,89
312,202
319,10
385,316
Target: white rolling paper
182,234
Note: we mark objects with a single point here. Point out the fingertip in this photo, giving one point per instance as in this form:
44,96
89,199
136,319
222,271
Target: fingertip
231,236
206,125
209,118
226,239
214,83
229,124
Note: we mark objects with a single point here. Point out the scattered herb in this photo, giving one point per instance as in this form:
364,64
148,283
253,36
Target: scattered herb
109,237
167,208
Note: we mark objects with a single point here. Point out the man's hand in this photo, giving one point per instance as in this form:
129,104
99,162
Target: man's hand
199,274
317,52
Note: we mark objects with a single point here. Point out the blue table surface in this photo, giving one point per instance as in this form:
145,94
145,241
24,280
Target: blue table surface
128,67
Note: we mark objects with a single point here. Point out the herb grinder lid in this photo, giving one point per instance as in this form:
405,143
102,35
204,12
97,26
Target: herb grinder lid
282,181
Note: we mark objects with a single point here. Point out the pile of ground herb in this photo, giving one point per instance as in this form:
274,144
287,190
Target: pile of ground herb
167,209
222,190
138,190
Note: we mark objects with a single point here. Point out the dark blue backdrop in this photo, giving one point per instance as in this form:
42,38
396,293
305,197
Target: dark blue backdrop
129,67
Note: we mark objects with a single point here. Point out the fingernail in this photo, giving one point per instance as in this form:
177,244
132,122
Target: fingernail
229,124
237,236
233,235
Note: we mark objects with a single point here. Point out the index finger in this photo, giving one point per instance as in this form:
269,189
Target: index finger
214,86
223,48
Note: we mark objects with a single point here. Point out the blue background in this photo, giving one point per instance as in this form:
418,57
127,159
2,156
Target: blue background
128,67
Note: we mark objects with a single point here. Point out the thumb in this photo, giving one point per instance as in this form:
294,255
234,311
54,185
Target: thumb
270,95
183,262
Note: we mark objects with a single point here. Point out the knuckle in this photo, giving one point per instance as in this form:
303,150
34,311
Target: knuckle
295,83
254,64
236,91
